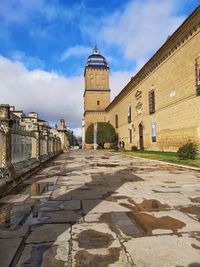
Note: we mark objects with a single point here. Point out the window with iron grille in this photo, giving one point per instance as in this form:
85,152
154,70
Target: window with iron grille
129,114
151,102
116,121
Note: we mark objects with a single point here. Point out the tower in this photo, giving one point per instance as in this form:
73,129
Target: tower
97,91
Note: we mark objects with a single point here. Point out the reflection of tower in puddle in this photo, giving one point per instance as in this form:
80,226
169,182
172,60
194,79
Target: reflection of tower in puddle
35,191
5,213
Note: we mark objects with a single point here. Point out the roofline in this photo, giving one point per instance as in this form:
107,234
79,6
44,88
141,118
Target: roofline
172,43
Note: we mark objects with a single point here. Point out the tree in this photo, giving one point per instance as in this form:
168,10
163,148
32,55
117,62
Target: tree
105,134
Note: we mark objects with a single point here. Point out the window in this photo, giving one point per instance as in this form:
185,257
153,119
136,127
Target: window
129,114
153,131
130,136
198,75
151,102
98,102
116,121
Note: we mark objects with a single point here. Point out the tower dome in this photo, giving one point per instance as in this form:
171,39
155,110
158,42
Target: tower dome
96,60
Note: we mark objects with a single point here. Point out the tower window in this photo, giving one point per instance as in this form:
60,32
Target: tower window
151,102
116,121
98,102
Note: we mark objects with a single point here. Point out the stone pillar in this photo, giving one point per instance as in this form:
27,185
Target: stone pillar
63,136
6,170
46,135
36,142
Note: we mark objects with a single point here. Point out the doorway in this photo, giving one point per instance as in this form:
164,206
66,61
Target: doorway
141,136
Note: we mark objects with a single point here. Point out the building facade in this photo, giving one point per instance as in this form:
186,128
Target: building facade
159,109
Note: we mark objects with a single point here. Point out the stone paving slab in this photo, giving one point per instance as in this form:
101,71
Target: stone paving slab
49,233
44,255
8,248
94,207
166,250
64,216
96,244
7,234
101,206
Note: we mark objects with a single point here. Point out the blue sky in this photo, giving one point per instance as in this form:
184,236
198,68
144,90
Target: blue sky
47,43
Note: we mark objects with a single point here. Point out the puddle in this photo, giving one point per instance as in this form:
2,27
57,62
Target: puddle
150,205
104,165
11,215
146,206
148,223
110,198
195,246
195,200
5,211
42,255
166,192
40,188
191,210
85,259
35,217
91,239
120,221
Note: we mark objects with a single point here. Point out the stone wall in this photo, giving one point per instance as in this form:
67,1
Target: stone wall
171,73
22,151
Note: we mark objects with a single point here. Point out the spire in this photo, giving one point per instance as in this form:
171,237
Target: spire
95,50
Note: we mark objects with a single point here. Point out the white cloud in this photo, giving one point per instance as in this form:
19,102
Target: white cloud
51,95
76,51
140,29
118,80
29,61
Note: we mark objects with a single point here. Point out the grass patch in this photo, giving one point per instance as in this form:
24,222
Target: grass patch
170,157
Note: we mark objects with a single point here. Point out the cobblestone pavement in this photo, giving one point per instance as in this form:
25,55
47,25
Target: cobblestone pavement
97,209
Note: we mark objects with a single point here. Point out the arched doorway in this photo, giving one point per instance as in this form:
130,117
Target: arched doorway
141,136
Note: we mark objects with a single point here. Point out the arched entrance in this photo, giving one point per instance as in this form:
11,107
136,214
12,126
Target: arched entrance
141,136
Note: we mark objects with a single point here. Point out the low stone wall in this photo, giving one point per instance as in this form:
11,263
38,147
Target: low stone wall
22,170
22,151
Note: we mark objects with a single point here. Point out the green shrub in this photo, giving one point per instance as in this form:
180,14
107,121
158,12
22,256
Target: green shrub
105,134
188,151
134,148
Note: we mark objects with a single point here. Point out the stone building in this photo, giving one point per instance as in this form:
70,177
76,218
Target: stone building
97,91
159,109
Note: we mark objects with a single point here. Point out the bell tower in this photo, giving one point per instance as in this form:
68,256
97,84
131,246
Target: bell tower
97,91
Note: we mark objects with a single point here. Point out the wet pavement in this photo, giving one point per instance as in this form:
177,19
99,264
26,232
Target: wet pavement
98,209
